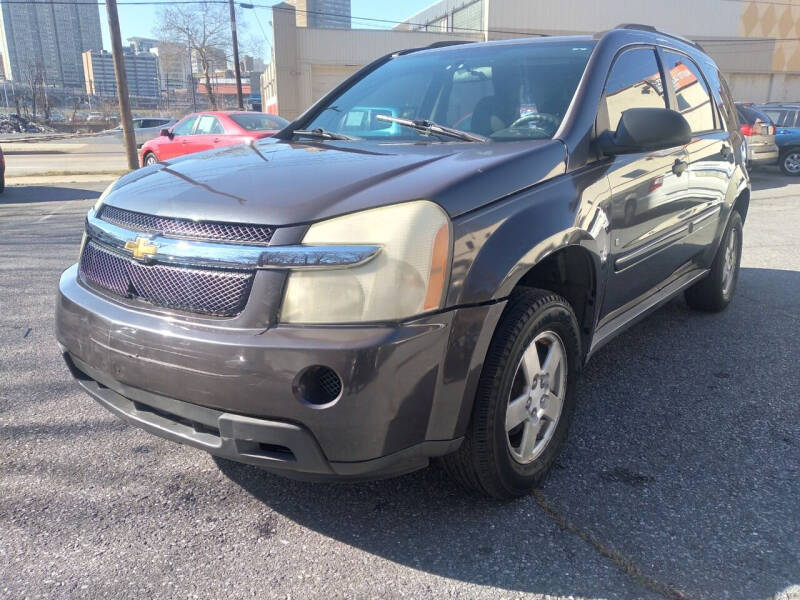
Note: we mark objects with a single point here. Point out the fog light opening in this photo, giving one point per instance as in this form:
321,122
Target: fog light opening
318,386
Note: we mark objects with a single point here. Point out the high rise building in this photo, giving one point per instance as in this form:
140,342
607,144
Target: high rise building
174,70
140,68
49,38
323,14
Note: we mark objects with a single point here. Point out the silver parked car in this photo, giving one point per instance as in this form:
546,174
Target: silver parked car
147,128
759,133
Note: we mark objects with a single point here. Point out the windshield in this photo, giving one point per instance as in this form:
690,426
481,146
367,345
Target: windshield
504,92
259,122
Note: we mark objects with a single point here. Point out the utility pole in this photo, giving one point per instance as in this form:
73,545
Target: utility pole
125,118
236,70
191,79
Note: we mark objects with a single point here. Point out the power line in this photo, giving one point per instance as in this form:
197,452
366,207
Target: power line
268,6
454,29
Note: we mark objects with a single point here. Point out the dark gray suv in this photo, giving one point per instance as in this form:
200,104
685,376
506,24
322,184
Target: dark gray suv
420,264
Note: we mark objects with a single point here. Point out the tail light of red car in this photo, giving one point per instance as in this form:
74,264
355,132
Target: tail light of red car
759,128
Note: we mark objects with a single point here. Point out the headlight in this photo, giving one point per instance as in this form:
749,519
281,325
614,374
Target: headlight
104,195
406,278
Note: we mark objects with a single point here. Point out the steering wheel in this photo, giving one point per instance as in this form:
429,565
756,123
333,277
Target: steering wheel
544,122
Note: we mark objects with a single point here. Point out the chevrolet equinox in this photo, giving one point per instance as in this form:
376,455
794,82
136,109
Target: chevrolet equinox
420,264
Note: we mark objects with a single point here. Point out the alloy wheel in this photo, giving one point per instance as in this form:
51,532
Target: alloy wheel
537,397
729,264
791,162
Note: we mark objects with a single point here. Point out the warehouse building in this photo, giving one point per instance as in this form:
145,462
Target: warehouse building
755,43
308,62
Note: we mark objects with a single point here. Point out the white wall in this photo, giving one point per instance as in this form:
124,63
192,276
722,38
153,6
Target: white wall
310,62
700,18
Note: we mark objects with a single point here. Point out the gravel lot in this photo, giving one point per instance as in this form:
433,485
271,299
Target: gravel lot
681,477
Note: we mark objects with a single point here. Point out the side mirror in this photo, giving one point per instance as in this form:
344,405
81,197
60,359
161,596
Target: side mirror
166,132
646,129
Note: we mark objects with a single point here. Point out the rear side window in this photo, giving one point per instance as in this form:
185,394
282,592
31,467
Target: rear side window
694,101
633,82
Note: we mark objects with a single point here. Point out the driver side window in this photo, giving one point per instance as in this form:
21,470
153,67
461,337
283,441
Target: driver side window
185,127
634,81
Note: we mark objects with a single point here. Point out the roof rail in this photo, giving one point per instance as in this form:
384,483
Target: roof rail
445,43
439,44
651,29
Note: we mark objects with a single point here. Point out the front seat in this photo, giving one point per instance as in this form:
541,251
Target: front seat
488,116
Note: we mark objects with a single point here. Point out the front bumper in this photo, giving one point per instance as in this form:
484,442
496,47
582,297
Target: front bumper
232,391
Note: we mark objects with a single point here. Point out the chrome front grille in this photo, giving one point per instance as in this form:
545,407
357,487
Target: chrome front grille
218,292
237,233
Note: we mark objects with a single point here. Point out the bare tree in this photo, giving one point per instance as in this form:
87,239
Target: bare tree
204,30
34,76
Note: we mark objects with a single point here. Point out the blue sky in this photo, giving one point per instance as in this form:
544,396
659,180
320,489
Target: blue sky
140,20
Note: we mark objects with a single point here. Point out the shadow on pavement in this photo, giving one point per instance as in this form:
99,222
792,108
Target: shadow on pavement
684,456
770,178
31,194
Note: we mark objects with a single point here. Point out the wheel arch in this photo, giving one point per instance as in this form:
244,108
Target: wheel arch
570,272
742,203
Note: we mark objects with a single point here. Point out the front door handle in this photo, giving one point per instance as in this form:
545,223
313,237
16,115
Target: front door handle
679,166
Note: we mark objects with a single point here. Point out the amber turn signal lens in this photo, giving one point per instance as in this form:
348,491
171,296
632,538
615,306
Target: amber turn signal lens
439,261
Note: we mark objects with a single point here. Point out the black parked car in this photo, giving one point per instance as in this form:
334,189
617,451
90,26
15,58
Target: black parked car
419,265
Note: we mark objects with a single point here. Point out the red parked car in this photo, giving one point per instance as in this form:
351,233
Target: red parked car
208,130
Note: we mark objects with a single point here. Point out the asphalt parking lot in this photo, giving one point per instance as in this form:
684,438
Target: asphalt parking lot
680,479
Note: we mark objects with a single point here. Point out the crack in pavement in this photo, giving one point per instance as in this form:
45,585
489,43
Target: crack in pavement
623,563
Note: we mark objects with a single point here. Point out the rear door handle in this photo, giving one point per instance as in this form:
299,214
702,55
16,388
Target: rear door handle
679,166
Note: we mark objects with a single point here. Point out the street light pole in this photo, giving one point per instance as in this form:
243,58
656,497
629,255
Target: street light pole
126,120
236,70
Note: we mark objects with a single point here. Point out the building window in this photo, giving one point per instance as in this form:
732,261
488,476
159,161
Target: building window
694,101
469,18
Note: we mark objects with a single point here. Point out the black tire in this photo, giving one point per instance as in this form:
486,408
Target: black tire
788,162
714,293
147,158
484,462
630,212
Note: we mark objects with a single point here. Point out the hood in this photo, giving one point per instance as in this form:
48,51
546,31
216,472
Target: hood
282,183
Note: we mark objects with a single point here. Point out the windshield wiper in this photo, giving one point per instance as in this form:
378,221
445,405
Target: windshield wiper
427,127
322,134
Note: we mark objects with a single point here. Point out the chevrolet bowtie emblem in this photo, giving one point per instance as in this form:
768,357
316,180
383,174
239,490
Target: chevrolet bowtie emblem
141,247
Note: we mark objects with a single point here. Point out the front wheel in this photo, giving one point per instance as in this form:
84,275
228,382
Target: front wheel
525,398
150,159
790,162
715,292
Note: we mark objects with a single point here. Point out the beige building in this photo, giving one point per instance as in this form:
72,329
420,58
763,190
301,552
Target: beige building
755,43
308,62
